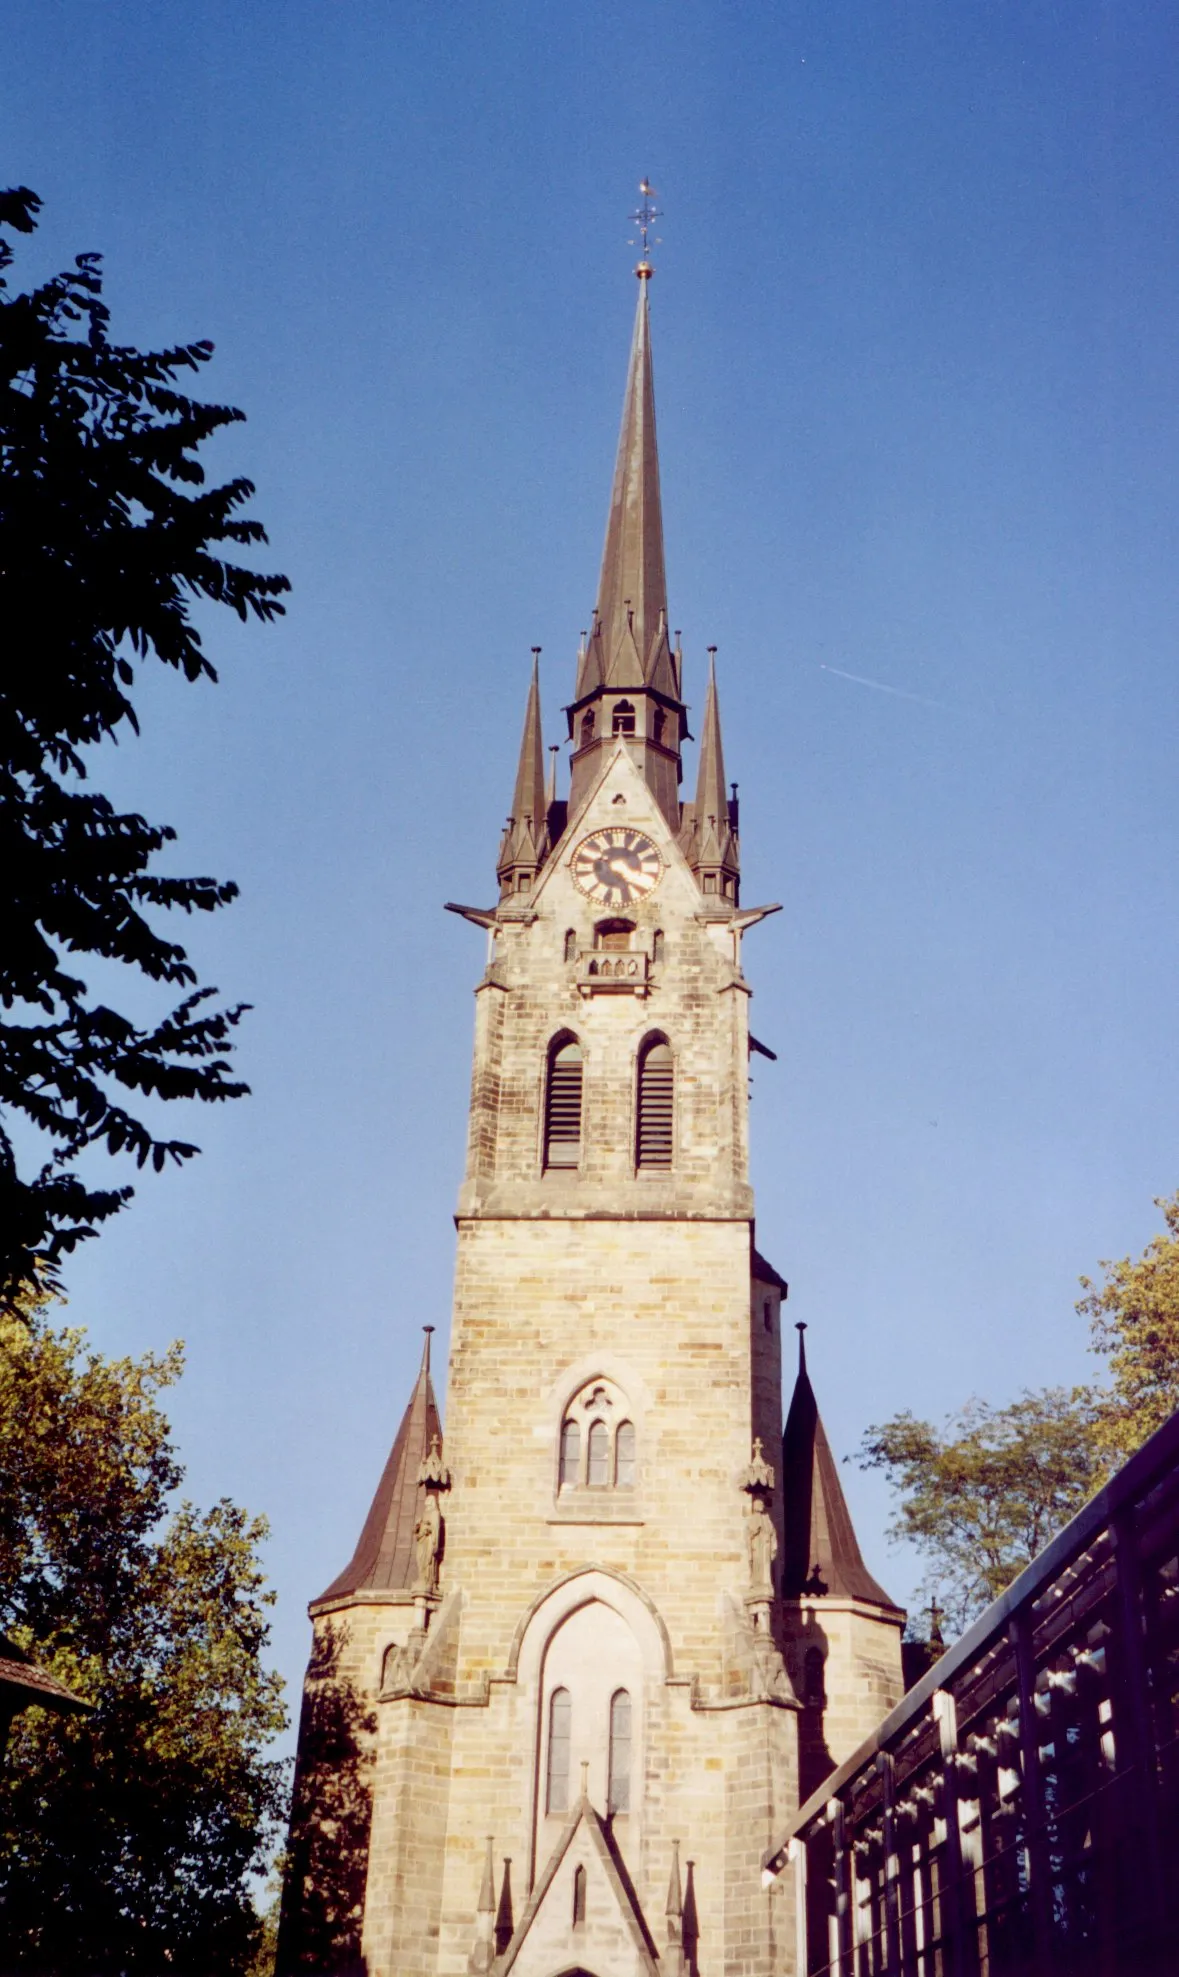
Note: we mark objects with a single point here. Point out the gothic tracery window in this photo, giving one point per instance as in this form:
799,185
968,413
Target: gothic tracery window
598,1447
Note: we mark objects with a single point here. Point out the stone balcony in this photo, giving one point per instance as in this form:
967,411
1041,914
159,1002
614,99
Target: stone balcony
608,971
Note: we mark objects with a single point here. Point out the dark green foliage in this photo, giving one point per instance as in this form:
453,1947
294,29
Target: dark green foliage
981,1498
108,533
128,1836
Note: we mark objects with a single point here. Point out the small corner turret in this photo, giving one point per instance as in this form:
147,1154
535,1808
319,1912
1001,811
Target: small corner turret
709,831
525,843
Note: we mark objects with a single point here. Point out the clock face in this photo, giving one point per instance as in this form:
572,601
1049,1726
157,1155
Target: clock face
616,866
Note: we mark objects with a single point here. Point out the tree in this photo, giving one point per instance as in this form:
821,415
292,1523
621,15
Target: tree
108,536
982,1498
1134,1324
127,1837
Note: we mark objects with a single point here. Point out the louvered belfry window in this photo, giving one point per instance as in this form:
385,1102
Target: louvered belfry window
656,1112
562,1107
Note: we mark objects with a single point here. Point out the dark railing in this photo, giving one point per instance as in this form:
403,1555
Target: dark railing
1018,1812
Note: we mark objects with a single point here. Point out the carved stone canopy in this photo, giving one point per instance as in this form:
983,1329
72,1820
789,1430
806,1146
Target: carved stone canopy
433,1472
758,1477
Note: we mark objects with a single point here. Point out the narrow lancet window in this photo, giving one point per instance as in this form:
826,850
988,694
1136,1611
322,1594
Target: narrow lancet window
619,1793
570,1455
562,1110
560,1729
597,1468
654,1136
578,1897
624,1455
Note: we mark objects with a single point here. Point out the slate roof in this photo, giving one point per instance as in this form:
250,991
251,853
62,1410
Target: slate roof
384,1557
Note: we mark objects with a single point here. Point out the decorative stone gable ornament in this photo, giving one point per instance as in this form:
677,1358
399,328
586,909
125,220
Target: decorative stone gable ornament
433,1472
758,1477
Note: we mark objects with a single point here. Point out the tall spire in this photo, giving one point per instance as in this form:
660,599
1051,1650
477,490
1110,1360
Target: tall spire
711,844
628,651
384,1557
632,589
821,1555
524,846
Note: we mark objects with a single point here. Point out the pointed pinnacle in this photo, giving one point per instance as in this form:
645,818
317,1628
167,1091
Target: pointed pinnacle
674,1905
486,1903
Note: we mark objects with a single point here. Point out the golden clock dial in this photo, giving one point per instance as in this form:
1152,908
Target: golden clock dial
616,866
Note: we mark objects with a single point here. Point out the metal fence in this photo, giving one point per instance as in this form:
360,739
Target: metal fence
1019,1810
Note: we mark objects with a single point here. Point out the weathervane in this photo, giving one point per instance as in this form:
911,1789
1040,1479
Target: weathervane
644,218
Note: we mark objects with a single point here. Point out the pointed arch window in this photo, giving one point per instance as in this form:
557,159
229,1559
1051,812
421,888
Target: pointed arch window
659,725
624,717
560,1731
597,1464
562,1104
578,1897
587,728
655,1121
618,1799
570,1455
624,1455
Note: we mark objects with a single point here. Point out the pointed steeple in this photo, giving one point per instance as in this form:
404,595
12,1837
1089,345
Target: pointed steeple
384,1557
632,589
710,834
821,1555
628,652
525,843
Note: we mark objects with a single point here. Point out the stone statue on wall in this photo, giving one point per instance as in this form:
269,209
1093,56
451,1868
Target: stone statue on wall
763,1549
427,1539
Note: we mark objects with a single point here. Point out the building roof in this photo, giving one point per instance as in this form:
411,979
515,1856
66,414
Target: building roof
821,1554
23,1683
384,1557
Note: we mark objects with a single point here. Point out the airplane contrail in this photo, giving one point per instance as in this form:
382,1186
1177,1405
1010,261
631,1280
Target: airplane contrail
879,686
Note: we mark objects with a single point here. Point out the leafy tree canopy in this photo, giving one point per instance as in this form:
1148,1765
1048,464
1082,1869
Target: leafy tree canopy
1134,1324
108,535
127,1837
982,1496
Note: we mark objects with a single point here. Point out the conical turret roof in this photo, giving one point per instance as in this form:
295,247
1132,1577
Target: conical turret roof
525,841
715,842
384,1557
821,1554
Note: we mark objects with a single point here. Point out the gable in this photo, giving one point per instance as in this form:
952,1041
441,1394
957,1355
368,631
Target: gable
612,1936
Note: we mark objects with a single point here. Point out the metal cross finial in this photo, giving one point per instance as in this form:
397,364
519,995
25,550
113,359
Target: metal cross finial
644,218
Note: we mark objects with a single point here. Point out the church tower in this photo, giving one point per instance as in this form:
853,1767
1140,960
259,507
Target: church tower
551,1721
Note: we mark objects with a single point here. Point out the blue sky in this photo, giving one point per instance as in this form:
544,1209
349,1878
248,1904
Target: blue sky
915,331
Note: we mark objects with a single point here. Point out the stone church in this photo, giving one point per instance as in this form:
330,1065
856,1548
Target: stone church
597,1641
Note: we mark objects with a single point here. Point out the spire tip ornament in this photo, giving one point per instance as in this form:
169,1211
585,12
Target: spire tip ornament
643,220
